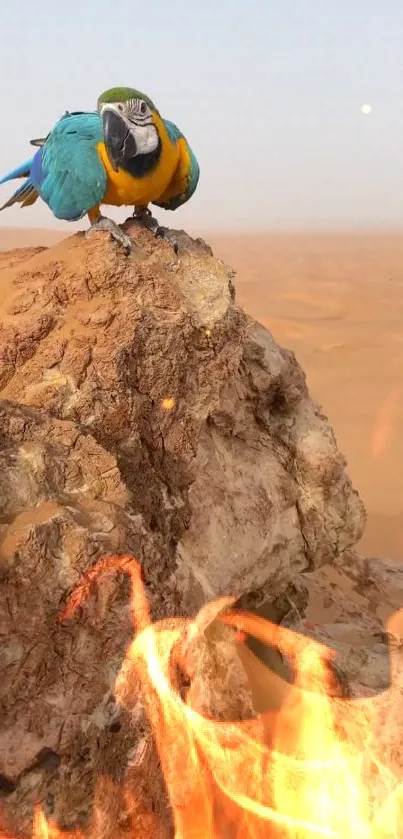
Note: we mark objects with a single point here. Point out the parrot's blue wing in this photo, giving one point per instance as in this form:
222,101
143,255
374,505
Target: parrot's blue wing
186,177
66,171
193,174
174,133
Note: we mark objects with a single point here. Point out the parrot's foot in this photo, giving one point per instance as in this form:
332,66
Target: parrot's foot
169,236
116,232
146,218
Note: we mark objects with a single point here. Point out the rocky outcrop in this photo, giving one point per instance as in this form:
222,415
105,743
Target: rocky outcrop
142,412
357,604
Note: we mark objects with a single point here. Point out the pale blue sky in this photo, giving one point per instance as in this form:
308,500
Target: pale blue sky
268,92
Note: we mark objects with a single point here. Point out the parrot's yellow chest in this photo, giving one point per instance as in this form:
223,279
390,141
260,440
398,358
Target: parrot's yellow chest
124,189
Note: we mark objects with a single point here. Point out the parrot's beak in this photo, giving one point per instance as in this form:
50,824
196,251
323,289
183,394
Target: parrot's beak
119,140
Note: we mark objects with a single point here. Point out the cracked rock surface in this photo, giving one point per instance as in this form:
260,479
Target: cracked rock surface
141,412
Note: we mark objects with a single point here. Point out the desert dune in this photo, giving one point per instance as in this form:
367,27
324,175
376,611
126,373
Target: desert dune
28,237
336,300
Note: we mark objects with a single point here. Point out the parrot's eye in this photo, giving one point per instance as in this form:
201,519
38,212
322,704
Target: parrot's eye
143,108
120,107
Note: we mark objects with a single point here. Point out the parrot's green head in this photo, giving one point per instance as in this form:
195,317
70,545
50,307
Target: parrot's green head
130,123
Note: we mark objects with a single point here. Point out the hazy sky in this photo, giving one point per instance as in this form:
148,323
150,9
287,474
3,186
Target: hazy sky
268,92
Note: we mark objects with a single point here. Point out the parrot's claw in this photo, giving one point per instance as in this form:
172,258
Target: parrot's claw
169,236
116,232
146,218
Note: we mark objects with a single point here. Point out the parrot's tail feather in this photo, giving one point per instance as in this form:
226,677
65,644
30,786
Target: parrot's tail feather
25,195
31,198
22,171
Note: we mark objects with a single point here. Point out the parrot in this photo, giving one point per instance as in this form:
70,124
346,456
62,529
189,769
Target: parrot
122,154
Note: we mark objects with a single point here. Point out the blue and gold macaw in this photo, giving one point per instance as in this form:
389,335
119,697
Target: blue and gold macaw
124,153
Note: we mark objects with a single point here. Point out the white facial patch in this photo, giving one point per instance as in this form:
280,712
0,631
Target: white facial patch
146,137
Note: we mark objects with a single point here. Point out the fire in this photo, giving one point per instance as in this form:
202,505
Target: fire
314,765
385,423
168,403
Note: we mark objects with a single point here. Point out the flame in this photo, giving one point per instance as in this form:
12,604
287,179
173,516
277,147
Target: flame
385,423
168,403
314,765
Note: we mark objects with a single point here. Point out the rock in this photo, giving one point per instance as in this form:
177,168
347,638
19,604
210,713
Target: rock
356,603
142,412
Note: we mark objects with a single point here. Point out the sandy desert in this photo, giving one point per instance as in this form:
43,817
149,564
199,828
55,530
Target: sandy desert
336,300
